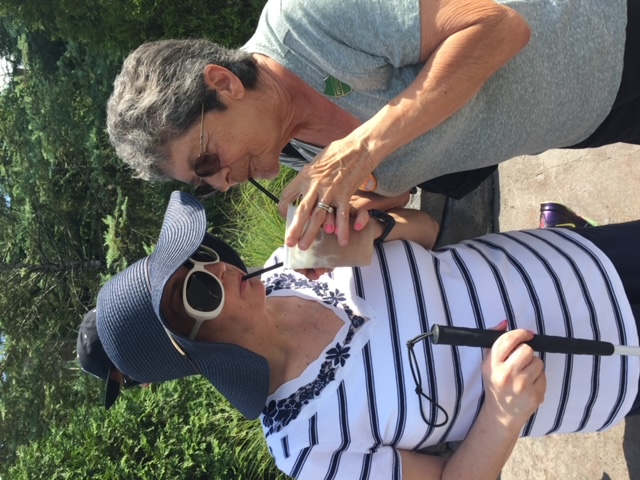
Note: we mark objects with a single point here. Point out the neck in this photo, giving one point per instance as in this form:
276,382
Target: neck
306,114
284,90
301,329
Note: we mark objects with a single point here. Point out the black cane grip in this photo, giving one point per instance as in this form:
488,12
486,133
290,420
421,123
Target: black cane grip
476,337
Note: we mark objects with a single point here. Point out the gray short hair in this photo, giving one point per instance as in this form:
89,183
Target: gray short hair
158,95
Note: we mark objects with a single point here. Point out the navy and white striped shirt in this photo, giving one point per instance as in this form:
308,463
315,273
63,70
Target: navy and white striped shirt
355,406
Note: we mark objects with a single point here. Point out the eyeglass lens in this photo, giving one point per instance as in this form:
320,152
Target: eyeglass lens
208,164
204,292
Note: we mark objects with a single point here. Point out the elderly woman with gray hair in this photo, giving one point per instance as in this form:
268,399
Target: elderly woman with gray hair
339,370
372,98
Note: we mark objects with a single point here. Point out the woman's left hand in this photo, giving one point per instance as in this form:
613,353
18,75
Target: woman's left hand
331,180
514,379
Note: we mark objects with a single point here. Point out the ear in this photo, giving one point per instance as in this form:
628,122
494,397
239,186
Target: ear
223,81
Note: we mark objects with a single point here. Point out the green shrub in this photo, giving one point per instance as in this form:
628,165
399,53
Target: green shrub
255,227
178,430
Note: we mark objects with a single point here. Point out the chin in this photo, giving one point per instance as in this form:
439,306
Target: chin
263,289
268,170
269,174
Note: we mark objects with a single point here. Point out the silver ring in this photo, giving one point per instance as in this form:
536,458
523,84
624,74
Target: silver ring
324,206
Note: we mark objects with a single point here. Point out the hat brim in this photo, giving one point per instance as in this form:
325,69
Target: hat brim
111,392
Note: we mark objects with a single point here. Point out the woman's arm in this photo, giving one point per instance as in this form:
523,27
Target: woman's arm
414,225
368,200
463,43
515,384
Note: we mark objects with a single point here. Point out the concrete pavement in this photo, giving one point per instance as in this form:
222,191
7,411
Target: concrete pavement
601,184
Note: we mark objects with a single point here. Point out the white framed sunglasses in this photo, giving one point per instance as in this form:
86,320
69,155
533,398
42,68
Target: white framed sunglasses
202,291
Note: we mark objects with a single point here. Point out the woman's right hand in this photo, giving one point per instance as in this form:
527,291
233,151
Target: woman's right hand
514,379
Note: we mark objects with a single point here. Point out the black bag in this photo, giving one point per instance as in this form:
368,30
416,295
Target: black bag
457,185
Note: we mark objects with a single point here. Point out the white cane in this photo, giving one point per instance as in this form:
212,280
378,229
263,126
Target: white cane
476,337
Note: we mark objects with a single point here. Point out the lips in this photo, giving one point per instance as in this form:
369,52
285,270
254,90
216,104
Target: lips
242,285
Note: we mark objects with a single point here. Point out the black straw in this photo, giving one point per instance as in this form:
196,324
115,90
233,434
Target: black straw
264,190
260,272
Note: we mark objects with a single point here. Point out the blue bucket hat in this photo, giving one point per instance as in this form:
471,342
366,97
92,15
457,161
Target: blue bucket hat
136,336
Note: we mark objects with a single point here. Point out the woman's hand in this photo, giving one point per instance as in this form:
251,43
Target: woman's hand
514,384
331,180
314,273
514,379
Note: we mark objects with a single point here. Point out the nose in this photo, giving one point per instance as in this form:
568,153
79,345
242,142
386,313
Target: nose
220,180
218,269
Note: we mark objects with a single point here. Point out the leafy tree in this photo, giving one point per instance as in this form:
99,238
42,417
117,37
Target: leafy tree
114,27
71,215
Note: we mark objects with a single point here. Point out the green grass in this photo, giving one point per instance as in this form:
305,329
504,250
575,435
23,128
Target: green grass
255,227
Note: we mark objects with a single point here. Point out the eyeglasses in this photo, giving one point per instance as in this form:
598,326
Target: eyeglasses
417,378
202,291
207,164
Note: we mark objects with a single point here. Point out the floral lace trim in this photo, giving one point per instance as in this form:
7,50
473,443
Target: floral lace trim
278,414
